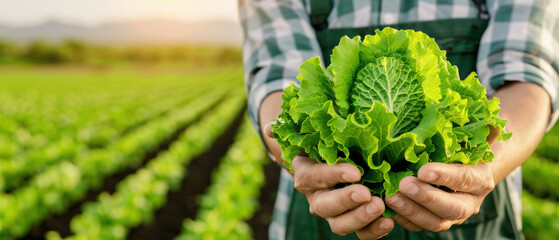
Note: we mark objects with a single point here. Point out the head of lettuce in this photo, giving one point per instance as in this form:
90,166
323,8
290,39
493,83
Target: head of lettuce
388,105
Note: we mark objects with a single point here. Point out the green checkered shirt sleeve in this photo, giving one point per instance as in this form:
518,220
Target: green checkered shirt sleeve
521,43
278,38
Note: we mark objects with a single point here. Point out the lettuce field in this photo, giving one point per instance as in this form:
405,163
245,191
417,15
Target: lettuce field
129,152
159,152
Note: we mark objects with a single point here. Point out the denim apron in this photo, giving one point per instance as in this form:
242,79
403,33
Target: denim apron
460,38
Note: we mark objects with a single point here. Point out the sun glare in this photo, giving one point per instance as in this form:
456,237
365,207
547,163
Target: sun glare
95,12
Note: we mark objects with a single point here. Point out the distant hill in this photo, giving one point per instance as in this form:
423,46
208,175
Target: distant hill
141,32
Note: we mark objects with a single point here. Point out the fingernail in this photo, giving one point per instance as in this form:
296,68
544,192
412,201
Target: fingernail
411,188
431,176
356,198
383,225
370,210
396,202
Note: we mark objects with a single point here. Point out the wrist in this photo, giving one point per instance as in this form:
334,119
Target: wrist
269,110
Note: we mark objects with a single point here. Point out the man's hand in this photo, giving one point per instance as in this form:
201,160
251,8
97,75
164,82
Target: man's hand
349,209
421,206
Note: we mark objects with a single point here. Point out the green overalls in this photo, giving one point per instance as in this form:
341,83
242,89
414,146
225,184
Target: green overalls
460,38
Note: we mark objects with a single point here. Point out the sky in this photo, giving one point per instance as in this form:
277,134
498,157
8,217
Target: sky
95,12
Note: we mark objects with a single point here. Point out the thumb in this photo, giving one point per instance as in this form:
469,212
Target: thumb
268,130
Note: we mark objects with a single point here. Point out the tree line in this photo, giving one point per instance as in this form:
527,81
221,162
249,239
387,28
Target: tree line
75,51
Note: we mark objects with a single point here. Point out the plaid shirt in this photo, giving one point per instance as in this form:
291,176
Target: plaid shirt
521,43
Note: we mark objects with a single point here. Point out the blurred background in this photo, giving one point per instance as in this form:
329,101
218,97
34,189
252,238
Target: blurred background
103,32
125,119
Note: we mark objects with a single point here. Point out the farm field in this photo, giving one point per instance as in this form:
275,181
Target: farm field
128,152
138,151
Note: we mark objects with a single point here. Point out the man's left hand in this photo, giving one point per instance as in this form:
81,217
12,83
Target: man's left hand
419,205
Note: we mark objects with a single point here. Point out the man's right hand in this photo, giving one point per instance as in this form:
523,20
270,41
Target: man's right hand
349,209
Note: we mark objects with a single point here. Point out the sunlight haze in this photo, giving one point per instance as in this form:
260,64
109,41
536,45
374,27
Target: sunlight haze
95,12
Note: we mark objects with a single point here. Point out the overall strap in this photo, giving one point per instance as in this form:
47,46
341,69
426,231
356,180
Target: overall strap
320,9
482,12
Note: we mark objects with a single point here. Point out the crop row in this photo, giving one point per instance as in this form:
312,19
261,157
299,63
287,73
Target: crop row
537,175
540,218
540,209
548,147
139,195
35,119
37,128
232,197
44,115
97,136
61,184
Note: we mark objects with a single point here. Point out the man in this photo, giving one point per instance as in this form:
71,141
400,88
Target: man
512,44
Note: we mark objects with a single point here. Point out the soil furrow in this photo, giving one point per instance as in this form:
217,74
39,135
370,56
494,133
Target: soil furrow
261,219
183,203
